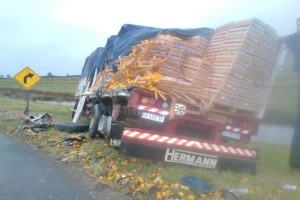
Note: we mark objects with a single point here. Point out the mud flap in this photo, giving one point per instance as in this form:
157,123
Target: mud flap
115,136
197,159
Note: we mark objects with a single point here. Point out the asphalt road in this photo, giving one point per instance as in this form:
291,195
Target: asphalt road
28,174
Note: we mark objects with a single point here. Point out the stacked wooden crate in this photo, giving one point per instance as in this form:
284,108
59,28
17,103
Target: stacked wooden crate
231,71
177,63
183,69
243,55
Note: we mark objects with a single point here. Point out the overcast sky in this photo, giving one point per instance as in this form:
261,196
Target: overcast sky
57,35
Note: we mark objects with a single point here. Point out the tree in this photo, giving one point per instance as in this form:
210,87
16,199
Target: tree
8,76
49,74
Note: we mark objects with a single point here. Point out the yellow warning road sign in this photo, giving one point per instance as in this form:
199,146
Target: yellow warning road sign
27,77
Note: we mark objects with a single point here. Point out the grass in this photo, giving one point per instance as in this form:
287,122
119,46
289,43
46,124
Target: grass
98,159
148,179
56,84
47,89
18,106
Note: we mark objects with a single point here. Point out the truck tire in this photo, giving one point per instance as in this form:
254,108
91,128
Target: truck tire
94,121
104,125
71,127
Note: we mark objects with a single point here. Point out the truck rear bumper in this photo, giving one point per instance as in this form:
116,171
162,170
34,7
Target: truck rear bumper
195,153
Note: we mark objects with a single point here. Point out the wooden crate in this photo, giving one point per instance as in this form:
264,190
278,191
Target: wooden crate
230,46
249,37
230,72
245,60
243,55
238,67
181,45
240,93
189,88
230,86
254,23
230,104
199,41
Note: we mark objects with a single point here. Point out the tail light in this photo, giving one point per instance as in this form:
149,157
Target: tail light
146,101
152,102
165,105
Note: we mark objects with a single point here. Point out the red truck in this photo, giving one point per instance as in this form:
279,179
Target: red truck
140,124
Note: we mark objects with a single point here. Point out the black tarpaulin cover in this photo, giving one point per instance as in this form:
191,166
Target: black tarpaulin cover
121,44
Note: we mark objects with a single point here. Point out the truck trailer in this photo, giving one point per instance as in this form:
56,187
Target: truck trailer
189,96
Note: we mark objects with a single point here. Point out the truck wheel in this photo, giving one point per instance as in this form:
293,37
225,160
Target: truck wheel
95,117
71,127
105,125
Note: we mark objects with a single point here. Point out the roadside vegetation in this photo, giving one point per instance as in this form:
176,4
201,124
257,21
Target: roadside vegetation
144,179
47,89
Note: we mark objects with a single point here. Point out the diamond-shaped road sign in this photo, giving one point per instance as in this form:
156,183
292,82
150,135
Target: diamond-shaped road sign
27,77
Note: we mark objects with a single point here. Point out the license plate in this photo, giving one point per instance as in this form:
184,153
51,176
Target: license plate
153,117
115,142
231,135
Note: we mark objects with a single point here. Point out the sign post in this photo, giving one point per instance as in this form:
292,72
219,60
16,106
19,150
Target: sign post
27,78
26,112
